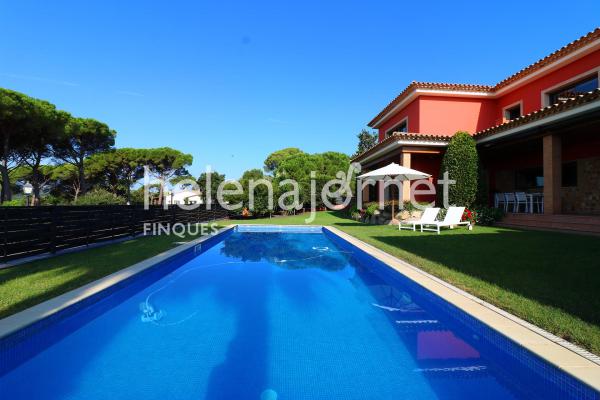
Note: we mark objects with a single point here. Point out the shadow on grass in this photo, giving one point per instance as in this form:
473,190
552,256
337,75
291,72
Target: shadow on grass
557,270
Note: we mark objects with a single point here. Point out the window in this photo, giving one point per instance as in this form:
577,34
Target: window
529,178
569,174
513,112
573,90
401,127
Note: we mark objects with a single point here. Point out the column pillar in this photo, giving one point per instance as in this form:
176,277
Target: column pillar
405,162
552,173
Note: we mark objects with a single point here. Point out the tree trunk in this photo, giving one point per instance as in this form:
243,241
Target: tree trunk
35,180
6,192
161,191
129,191
76,189
82,182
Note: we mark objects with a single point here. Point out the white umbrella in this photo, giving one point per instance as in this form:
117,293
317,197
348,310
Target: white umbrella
395,172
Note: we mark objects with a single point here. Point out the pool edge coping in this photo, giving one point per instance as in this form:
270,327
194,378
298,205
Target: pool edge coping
31,315
566,356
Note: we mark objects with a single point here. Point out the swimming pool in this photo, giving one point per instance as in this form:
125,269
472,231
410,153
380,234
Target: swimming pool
271,312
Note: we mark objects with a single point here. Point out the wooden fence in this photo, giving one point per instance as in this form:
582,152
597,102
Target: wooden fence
27,231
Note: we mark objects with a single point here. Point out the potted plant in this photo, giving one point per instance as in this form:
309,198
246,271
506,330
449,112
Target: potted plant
471,217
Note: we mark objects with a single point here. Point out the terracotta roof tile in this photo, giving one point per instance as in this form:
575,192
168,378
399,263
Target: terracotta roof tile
562,52
525,119
431,86
541,113
421,137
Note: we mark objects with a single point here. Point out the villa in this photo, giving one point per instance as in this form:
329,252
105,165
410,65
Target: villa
536,132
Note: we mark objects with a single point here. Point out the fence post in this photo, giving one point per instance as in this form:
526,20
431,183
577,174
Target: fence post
53,229
113,221
132,221
5,234
88,226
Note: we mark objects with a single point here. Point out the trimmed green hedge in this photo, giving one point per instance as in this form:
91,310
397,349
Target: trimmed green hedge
462,163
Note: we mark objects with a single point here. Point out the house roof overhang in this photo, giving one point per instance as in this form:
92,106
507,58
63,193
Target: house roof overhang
561,57
398,140
540,122
581,107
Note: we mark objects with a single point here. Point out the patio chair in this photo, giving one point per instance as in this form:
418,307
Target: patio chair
453,217
499,199
509,198
428,216
538,200
520,200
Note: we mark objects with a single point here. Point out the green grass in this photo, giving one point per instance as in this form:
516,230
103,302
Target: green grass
28,284
549,279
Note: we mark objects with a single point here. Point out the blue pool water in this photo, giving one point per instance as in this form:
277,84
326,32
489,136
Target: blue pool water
272,313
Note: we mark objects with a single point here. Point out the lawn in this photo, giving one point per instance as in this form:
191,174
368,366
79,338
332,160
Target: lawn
28,284
549,279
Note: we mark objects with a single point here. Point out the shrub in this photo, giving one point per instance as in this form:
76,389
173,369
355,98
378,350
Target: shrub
18,202
488,215
99,197
371,209
469,215
51,200
462,163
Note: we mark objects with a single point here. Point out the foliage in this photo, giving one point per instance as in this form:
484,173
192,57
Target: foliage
299,166
167,163
34,131
215,180
462,163
260,194
366,140
371,209
276,158
15,202
51,200
83,137
15,117
99,197
488,215
355,213
117,170
64,180
469,215
47,126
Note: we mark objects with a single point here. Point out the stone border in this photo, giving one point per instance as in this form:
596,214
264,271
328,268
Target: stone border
566,356
22,319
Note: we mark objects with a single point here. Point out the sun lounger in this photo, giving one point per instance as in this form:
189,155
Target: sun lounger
453,218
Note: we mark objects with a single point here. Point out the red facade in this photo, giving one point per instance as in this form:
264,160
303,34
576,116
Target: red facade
509,121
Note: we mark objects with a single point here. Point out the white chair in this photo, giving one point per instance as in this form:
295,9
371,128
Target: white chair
453,217
509,198
499,199
521,200
428,217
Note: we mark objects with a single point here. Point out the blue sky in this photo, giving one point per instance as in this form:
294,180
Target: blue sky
230,82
